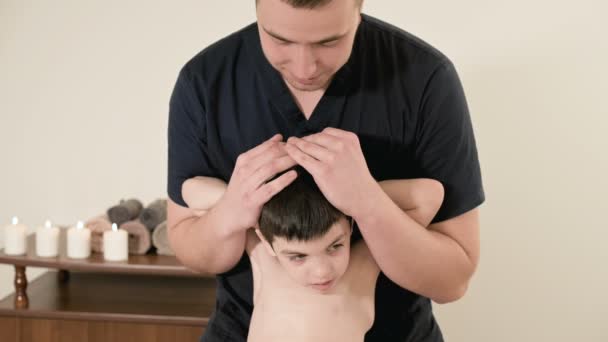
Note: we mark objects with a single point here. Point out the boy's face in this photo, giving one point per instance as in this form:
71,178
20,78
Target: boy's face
317,264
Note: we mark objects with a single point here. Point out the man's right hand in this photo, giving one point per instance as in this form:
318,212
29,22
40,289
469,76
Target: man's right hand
248,189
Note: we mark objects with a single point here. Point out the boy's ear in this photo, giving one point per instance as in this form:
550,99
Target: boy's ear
265,243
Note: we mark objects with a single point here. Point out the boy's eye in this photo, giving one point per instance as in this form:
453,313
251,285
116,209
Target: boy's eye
296,257
336,246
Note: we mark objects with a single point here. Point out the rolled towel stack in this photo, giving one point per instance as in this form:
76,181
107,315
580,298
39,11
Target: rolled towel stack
154,214
161,240
98,225
140,240
125,211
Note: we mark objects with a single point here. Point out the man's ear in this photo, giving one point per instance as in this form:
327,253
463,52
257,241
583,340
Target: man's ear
265,243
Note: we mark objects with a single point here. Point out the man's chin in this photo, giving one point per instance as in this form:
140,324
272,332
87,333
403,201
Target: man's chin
307,87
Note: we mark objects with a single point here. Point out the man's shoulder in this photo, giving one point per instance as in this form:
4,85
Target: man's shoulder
400,43
224,51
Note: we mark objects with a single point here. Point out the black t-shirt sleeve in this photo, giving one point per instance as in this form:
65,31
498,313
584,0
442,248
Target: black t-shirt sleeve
187,145
445,143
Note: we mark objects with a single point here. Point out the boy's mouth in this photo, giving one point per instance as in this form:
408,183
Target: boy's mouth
323,286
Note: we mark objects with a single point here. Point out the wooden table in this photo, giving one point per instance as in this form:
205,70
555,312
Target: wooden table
148,298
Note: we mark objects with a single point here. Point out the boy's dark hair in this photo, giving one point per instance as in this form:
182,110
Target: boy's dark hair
300,211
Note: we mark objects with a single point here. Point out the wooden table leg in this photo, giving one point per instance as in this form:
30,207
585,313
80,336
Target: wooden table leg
21,301
63,276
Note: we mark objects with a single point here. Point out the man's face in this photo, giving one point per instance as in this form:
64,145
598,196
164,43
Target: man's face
307,46
320,263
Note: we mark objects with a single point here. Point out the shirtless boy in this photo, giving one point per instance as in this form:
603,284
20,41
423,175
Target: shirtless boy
309,284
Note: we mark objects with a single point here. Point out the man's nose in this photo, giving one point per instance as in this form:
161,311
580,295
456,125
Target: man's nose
305,63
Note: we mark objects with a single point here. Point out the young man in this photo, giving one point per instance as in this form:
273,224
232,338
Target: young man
309,284
362,101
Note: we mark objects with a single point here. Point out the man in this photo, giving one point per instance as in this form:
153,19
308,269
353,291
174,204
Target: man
360,101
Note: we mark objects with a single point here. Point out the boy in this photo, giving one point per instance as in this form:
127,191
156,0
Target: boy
309,284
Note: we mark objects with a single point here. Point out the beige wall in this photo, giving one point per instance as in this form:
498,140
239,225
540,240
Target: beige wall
84,87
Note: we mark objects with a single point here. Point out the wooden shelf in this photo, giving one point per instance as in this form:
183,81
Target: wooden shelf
146,297
119,298
151,264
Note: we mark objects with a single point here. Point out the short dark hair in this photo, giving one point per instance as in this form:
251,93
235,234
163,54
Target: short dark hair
310,4
299,212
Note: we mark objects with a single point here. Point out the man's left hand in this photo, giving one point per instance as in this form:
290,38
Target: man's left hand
335,160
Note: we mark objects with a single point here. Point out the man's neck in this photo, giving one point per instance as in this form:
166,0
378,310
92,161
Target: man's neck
306,100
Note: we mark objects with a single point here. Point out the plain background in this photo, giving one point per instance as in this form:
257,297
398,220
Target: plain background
84,90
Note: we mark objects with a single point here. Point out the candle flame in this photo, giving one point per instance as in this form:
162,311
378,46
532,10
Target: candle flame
48,224
80,225
15,220
114,227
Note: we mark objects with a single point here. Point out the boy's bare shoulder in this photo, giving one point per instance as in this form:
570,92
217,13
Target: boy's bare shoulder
362,261
252,243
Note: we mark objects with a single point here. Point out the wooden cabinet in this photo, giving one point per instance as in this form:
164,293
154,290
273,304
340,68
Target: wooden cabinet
148,298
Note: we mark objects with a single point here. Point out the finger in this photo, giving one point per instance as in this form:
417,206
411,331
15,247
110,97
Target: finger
328,141
346,138
261,148
268,190
270,154
268,171
314,150
307,162
340,133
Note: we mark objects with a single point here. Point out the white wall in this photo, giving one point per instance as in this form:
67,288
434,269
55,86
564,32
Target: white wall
84,88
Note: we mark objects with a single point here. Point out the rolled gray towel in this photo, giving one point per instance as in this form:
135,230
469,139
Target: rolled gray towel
140,240
160,240
154,214
125,211
98,225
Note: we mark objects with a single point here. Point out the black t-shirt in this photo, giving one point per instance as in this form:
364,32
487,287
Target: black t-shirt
401,96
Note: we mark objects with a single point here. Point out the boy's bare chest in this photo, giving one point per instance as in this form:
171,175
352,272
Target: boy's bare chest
285,311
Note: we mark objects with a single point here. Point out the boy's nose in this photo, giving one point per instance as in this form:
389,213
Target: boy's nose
322,272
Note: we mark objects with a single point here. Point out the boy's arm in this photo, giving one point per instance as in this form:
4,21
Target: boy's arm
420,198
202,193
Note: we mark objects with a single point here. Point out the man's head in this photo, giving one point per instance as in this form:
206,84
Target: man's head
308,41
308,236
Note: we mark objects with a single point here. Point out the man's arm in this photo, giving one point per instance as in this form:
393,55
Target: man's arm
439,260
420,199
211,251
214,242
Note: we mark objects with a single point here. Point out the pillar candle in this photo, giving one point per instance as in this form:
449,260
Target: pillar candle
79,241
15,238
115,244
47,240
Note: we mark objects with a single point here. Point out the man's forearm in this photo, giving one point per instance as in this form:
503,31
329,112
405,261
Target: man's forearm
206,244
421,260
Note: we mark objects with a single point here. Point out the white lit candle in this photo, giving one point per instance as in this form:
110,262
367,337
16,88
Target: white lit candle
15,238
79,241
47,240
115,244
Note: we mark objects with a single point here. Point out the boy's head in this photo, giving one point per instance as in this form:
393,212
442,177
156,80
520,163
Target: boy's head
308,235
